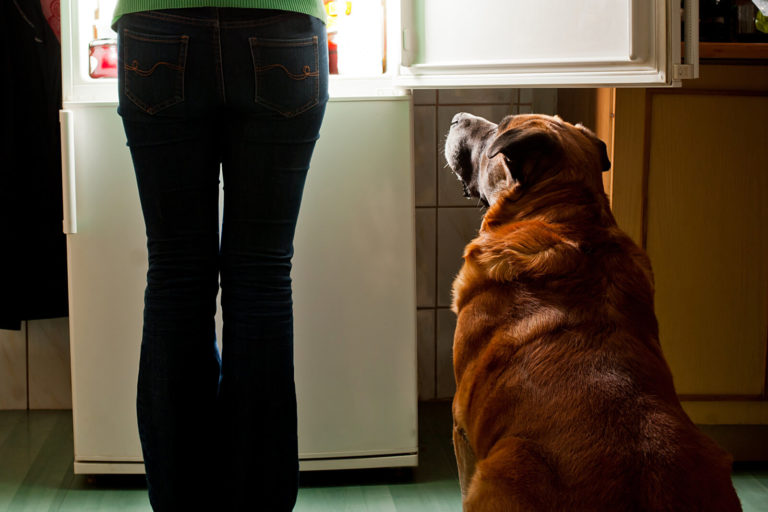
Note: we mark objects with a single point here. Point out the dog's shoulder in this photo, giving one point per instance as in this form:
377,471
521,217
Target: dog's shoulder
528,248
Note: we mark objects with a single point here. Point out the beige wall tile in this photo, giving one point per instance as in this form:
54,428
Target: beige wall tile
426,265
425,322
476,96
13,368
49,368
425,155
545,101
526,96
449,191
455,228
424,96
446,325
525,109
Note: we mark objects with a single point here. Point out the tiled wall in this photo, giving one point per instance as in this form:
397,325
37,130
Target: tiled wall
34,362
445,220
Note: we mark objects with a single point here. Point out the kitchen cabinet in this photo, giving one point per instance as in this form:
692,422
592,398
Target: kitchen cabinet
690,184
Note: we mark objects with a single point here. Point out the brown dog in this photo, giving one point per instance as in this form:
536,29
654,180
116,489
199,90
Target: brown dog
564,401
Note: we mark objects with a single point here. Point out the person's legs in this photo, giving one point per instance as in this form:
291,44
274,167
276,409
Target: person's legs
247,88
168,121
276,76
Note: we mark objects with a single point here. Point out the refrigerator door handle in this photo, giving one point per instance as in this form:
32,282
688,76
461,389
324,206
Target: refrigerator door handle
67,121
689,68
692,36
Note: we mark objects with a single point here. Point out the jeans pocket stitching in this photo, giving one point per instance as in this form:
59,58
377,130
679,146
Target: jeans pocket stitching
314,99
134,67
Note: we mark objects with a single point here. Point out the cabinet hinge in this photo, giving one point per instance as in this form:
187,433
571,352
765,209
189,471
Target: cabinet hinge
406,58
683,72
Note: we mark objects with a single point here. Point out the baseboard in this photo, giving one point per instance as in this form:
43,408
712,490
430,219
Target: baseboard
744,442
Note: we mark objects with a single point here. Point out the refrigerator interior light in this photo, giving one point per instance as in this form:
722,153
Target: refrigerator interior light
356,37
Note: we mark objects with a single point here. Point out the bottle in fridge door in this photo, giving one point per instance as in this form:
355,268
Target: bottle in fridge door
102,48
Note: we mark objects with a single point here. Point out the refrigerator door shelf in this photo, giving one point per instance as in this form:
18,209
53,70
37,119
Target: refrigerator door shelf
547,43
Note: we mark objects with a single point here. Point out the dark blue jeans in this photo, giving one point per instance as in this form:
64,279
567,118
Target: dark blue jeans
245,89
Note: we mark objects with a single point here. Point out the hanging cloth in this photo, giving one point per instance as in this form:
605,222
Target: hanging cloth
33,271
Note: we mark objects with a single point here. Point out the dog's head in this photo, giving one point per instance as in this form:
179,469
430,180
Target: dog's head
522,152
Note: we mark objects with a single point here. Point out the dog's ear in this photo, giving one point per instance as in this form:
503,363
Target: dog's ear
602,149
521,145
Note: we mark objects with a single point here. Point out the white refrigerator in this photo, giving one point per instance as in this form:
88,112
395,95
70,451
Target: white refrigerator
354,268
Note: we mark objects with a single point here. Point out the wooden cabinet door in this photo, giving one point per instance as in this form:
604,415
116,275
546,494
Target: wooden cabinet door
691,185
707,237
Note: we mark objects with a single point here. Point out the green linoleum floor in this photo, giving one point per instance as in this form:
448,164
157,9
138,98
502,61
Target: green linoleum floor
36,474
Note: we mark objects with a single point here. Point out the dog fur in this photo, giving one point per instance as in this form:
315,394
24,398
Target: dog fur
564,401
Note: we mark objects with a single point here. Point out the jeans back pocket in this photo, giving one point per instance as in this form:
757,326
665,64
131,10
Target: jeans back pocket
153,67
287,74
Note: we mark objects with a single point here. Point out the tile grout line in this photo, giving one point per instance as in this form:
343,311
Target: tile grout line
437,240
26,358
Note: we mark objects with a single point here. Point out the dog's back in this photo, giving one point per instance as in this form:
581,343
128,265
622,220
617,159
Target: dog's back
579,408
564,400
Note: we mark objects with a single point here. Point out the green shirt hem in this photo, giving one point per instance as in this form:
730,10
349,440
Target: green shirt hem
312,7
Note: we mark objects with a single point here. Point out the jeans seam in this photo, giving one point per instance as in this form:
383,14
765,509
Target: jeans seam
255,23
173,18
170,39
219,57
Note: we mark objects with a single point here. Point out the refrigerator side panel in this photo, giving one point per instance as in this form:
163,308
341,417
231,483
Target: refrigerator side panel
354,286
107,259
107,268
353,279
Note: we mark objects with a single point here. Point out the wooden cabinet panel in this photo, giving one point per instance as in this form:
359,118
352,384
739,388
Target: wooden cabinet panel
707,237
629,149
690,184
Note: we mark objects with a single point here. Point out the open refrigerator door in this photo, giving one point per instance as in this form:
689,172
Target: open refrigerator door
547,43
